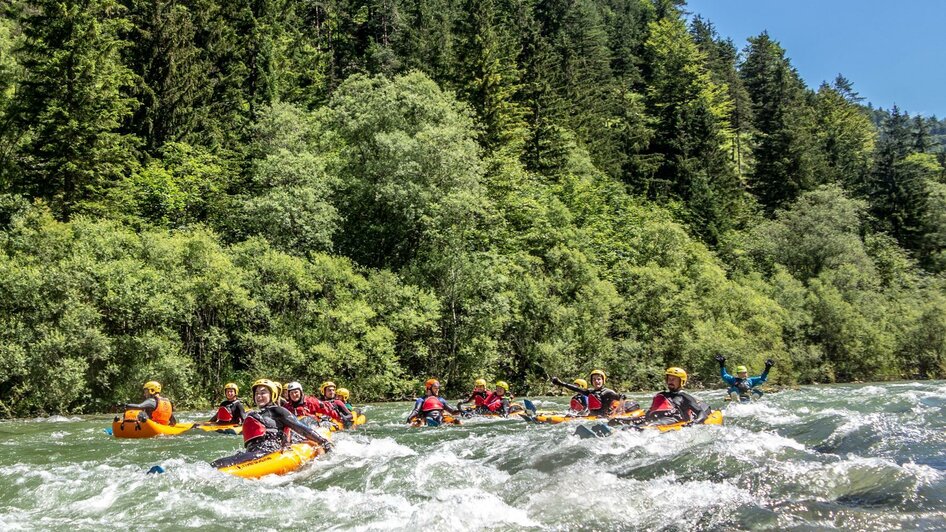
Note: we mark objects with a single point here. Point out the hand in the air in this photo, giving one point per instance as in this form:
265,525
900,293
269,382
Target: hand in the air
769,363
721,359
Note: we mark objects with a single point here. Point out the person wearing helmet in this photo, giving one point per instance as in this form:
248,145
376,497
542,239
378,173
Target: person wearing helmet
742,386
497,402
600,400
429,408
230,411
344,394
675,405
477,397
304,405
155,407
579,401
265,429
336,407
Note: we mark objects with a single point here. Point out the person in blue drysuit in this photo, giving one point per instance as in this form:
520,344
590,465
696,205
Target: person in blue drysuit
742,387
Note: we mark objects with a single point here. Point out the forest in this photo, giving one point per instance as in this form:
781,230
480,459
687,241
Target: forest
380,191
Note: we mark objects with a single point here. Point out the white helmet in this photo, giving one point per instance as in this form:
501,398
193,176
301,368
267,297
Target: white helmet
293,386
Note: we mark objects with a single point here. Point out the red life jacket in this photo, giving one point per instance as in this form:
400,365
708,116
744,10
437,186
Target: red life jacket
224,415
479,398
493,402
252,429
593,402
661,404
162,412
431,403
576,404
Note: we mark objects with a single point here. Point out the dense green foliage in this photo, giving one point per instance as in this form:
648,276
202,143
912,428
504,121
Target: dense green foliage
198,191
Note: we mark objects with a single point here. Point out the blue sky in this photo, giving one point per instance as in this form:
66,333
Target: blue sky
893,51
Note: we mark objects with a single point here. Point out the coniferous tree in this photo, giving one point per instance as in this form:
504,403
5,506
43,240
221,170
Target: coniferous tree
487,76
689,110
846,134
921,135
787,160
71,102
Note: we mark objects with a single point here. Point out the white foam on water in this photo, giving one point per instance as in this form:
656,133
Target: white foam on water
56,419
372,448
767,412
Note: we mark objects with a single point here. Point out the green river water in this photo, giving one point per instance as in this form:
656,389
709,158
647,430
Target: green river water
853,457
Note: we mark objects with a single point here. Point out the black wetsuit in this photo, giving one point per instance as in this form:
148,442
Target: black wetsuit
237,412
605,396
147,407
275,419
685,407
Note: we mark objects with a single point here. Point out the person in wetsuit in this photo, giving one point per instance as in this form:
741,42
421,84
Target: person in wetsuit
477,397
301,404
742,386
429,409
344,394
600,399
675,405
579,402
335,405
497,402
154,407
264,430
230,411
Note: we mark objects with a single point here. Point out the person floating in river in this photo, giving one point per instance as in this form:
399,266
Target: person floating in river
429,409
344,394
477,397
264,430
579,402
600,401
497,402
675,405
155,407
301,404
742,387
230,411
336,407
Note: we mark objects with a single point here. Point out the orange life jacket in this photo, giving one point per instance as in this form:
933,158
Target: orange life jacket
162,412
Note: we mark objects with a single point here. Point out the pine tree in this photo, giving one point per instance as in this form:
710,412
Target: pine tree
689,115
487,76
921,135
71,102
846,134
787,160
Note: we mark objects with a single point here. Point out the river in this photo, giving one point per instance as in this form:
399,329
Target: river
855,457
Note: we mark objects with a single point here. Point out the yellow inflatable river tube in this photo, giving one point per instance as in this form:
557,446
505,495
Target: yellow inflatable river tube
279,462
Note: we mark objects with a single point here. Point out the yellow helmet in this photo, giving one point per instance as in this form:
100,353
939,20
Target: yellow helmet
678,372
325,385
152,387
231,386
503,385
604,377
742,369
343,393
272,386
581,382
480,382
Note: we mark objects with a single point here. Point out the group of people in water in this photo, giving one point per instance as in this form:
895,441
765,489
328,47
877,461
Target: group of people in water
670,406
278,420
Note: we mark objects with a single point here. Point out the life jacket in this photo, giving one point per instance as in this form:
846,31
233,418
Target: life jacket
493,402
578,403
252,429
479,398
224,415
743,386
662,404
162,412
431,403
594,403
